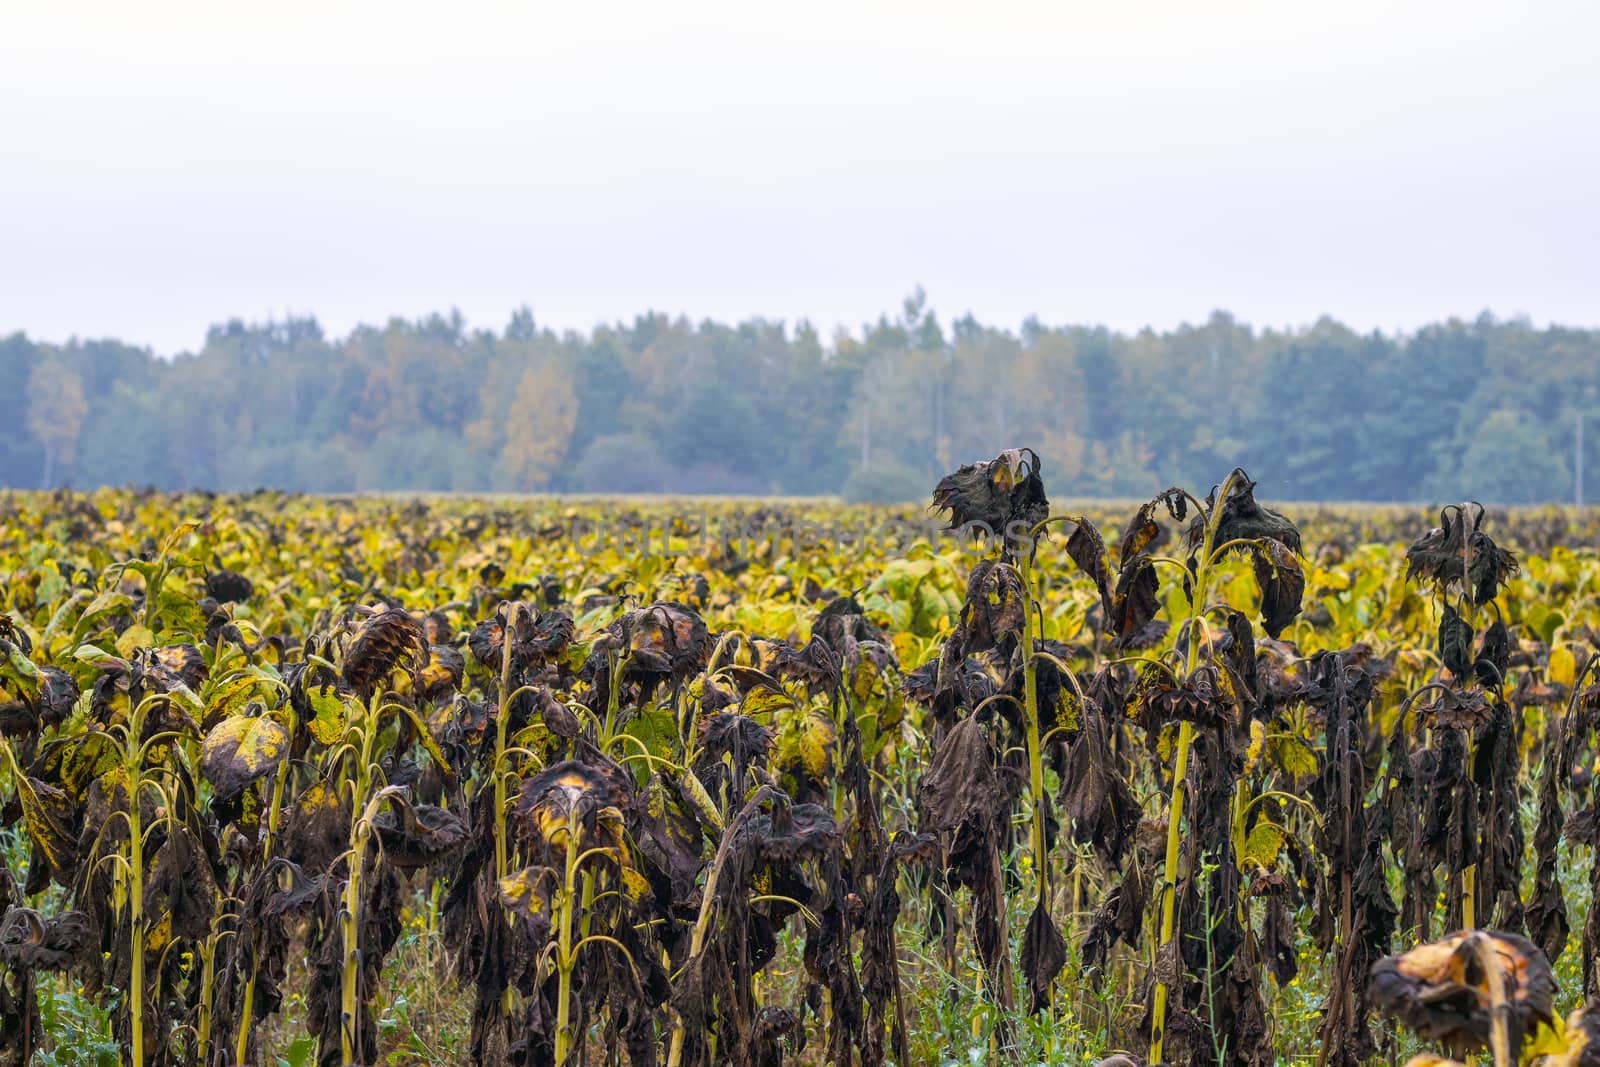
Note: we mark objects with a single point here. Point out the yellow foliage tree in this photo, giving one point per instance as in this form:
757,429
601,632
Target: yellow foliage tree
56,410
539,426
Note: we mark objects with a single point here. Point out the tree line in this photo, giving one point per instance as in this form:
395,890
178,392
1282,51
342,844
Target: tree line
1486,408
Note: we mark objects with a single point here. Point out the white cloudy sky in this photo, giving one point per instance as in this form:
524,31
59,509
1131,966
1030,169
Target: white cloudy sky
168,165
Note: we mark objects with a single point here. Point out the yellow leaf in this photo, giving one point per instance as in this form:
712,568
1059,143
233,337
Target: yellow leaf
229,699
764,700
1563,668
1258,740
134,637
159,934
1261,847
1562,1043
1292,756
635,886
525,892
329,715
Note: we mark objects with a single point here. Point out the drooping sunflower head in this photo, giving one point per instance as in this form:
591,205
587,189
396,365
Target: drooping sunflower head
387,639
573,794
1442,990
992,495
663,641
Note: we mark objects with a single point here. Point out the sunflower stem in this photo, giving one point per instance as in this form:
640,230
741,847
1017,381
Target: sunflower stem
1469,876
502,721
564,950
1030,696
242,1045
349,916
136,886
208,972
1499,1007
1180,771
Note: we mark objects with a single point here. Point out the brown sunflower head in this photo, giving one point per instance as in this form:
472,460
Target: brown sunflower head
162,669
386,639
443,674
1441,990
662,641
536,638
588,796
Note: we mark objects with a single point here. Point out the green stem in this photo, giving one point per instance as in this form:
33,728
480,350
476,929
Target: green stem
208,971
349,917
1180,770
564,952
152,600
1030,697
502,722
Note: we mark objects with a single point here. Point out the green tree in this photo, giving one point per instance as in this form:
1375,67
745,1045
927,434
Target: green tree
1508,460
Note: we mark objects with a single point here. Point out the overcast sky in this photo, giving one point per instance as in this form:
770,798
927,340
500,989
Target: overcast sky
164,166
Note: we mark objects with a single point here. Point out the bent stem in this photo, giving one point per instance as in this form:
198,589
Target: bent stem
1180,770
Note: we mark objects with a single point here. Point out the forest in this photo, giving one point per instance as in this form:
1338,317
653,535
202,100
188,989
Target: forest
1488,407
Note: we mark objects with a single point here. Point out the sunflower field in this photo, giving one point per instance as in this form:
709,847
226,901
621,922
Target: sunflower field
1200,779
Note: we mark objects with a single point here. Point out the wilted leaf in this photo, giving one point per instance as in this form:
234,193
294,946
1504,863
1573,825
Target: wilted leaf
240,750
48,815
1455,643
1044,953
1282,584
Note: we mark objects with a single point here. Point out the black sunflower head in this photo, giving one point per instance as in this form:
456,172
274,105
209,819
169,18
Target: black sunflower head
414,836
1242,518
35,942
1459,552
1206,698
1002,498
229,587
